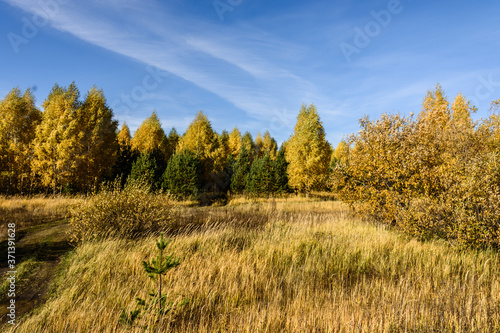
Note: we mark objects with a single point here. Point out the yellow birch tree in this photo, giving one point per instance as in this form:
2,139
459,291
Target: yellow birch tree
150,137
55,143
234,142
18,120
307,152
201,140
96,138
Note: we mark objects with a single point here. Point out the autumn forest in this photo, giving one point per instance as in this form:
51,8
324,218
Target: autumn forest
435,173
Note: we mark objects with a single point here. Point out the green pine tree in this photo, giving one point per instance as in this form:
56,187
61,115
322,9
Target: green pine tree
145,169
182,177
172,142
155,269
126,156
159,266
248,143
240,171
280,172
261,177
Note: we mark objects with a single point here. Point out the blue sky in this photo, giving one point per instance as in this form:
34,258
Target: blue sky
254,63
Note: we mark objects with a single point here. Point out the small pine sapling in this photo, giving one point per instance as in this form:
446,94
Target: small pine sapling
155,268
159,266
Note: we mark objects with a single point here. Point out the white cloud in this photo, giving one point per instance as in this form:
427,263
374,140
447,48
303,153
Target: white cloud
219,62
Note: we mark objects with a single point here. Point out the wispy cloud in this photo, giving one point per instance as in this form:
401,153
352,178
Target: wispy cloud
224,64
273,56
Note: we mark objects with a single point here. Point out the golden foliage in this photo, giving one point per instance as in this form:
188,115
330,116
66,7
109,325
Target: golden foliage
199,137
114,212
123,137
75,142
150,137
266,144
96,140
235,142
201,140
436,175
55,143
19,118
307,152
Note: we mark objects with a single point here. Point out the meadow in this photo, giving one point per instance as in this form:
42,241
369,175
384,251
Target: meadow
275,265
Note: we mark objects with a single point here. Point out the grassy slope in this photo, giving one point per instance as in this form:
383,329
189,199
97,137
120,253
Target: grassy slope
313,267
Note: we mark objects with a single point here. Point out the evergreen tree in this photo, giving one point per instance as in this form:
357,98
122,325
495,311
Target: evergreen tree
182,177
227,174
249,145
18,120
280,172
222,171
126,157
308,152
172,141
240,171
261,176
145,169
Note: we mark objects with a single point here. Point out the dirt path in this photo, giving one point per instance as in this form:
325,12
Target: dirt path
40,248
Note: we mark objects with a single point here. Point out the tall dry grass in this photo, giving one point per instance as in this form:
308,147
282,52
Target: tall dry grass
293,266
26,212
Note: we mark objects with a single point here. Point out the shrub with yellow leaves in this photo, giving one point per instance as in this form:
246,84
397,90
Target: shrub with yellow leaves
434,175
126,213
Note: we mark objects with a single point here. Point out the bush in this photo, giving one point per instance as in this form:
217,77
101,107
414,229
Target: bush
113,212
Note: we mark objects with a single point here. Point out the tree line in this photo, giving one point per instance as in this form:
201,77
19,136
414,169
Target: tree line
436,173
74,145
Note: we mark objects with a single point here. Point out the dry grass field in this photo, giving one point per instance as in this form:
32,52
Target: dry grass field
29,212
282,265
